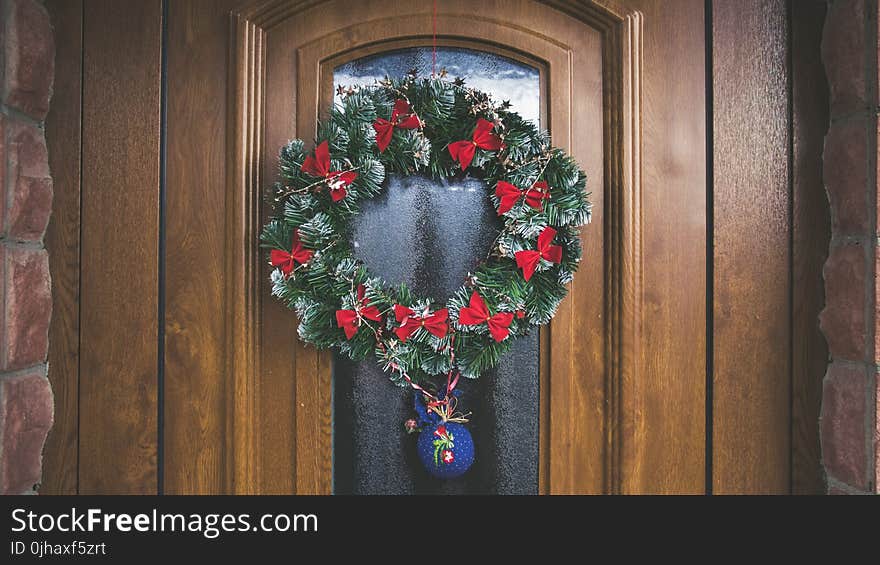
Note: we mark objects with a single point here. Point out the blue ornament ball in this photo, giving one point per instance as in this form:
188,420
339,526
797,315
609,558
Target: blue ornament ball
445,449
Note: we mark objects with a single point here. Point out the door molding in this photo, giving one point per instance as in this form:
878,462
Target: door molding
248,66
621,73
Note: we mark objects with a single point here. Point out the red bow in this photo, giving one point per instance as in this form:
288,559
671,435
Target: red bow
401,117
477,313
319,166
528,260
409,322
287,261
509,195
463,151
350,320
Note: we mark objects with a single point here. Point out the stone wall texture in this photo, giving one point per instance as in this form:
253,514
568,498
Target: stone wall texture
26,403
849,425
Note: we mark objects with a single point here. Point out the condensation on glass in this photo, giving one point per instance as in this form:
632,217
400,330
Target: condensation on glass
429,235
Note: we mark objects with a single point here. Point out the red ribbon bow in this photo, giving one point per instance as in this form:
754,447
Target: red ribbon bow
287,261
463,151
509,195
528,260
476,313
401,117
350,320
409,322
319,166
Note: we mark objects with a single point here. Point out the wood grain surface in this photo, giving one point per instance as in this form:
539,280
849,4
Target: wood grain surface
811,233
64,141
297,48
663,446
196,392
120,222
248,408
752,310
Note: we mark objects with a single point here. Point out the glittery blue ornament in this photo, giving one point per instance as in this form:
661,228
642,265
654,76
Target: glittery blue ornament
446,449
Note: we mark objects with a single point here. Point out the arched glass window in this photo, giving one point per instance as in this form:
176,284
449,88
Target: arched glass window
430,234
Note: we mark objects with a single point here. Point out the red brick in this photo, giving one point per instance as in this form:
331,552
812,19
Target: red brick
877,306
876,134
28,153
877,434
3,332
28,307
842,424
846,177
32,187
31,206
3,157
26,414
843,318
843,53
29,58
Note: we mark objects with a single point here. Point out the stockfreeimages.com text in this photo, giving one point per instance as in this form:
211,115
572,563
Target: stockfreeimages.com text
209,525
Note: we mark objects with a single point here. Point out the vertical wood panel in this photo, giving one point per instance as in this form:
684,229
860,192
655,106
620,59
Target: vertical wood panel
576,394
578,342
195,450
120,192
811,233
663,445
752,238
64,141
291,382
243,328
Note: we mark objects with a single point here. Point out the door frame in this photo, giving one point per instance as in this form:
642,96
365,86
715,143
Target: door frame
667,419
621,74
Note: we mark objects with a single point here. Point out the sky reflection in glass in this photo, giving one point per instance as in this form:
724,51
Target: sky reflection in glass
503,78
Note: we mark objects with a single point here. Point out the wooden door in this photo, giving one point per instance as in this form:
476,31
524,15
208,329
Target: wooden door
301,48
641,387
603,429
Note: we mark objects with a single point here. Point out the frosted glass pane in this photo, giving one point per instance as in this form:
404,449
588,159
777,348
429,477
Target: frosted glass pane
503,78
432,250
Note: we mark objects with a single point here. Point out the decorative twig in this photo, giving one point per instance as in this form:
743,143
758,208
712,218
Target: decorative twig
546,155
304,189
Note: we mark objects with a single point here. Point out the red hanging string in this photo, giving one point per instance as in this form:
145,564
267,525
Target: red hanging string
434,48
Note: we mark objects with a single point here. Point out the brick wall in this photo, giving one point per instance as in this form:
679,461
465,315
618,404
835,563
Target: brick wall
849,424
26,403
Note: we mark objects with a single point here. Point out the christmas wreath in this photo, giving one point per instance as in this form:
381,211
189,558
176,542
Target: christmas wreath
442,129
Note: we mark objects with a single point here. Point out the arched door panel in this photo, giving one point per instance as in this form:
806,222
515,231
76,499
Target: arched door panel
284,64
